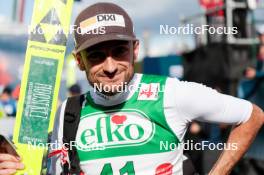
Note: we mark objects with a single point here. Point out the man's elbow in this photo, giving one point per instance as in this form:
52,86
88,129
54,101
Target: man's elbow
254,123
257,115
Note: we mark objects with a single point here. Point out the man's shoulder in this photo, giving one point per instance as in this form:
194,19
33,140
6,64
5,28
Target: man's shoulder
173,82
152,75
168,84
157,78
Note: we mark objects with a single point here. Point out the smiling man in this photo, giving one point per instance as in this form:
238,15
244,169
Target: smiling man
108,65
122,132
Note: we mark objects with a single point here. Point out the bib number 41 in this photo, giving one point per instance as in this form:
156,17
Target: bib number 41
127,169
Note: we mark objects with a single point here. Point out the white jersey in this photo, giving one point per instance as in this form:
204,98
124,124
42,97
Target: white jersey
130,128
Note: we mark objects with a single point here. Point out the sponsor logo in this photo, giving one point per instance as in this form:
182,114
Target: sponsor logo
101,20
114,129
149,91
106,17
164,169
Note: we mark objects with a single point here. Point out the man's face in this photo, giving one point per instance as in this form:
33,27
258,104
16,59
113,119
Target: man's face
109,65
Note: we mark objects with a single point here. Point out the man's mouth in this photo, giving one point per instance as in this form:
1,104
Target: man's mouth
111,77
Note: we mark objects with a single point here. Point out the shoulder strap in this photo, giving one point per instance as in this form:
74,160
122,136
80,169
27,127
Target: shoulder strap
70,126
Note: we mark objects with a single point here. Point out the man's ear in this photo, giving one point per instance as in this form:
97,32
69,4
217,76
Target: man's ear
136,49
79,61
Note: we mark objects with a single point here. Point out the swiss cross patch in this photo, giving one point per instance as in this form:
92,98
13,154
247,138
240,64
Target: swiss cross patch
149,91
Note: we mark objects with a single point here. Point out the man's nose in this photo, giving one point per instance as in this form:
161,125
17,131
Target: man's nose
110,66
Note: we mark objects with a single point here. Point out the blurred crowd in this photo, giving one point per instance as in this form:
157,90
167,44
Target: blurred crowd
251,87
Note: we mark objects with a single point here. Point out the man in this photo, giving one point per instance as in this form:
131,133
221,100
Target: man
127,132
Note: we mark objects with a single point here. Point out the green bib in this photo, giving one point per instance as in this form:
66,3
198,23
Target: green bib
134,127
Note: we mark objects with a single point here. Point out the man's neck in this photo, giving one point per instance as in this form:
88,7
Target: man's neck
108,99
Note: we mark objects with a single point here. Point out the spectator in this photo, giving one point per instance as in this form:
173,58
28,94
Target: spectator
252,87
74,90
8,103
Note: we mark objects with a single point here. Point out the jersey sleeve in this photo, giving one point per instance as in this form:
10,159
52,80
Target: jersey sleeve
188,101
199,102
54,165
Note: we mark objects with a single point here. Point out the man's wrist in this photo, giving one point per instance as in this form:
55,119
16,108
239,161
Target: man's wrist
218,172
221,169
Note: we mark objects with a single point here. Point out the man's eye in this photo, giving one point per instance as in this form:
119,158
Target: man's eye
96,56
120,51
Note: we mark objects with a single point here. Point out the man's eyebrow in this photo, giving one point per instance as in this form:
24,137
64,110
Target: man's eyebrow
99,49
92,50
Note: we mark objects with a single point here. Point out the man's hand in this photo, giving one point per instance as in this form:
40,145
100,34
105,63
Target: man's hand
9,164
243,135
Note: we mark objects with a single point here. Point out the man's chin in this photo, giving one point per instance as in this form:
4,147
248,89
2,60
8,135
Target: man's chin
111,86
120,80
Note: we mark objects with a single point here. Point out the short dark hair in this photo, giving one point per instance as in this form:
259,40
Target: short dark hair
7,90
75,89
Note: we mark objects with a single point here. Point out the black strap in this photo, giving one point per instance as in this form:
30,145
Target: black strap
71,123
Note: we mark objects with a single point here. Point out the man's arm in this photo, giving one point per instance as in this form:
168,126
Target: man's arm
194,101
243,135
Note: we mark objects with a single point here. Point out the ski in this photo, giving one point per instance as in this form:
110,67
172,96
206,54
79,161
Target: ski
41,81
